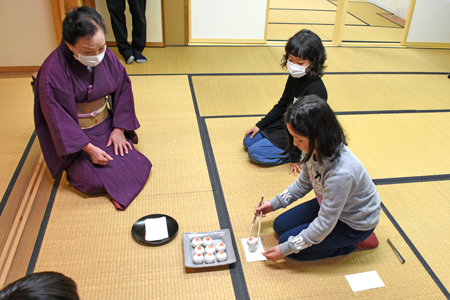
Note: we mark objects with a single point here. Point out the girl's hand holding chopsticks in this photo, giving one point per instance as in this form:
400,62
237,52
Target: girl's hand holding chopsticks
266,207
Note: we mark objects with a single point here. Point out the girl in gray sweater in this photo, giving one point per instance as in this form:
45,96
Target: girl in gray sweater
346,209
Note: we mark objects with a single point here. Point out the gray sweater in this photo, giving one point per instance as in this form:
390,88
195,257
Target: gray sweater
345,192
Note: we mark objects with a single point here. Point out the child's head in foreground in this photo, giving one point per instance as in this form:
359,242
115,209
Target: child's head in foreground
314,129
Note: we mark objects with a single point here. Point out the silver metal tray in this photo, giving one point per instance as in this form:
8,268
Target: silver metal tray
217,237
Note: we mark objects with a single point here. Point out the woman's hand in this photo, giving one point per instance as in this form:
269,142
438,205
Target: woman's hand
121,145
98,156
266,207
296,168
254,130
274,254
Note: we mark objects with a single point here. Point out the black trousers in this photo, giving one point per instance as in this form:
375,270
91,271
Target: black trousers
116,10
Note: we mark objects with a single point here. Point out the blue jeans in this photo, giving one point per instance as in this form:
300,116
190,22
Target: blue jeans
261,151
342,240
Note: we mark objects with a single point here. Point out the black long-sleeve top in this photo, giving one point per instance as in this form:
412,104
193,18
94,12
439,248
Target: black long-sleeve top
273,125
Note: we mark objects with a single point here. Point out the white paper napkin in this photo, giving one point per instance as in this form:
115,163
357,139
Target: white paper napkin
253,256
364,281
156,229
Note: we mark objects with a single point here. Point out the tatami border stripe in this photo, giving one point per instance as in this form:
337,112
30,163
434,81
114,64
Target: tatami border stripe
416,252
12,182
43,227
286,73
412,179
236,272
386,112
346,113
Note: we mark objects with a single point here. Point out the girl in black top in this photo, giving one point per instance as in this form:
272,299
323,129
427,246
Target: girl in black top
304,57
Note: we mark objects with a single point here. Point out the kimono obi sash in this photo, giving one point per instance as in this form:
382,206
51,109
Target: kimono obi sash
92,113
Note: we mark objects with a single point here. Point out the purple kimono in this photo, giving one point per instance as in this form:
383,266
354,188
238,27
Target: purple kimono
63,81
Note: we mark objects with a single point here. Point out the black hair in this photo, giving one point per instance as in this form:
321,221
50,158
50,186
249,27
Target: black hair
41,286
80,22
312,117
307,45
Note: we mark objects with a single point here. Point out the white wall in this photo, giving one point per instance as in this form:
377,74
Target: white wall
27,33
154,21
430,22
230,19
396,7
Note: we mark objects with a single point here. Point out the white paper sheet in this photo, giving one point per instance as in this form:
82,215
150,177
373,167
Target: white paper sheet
156,229
253,256
364,281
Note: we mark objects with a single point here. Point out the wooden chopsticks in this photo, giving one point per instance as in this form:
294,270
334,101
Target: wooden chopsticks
254,219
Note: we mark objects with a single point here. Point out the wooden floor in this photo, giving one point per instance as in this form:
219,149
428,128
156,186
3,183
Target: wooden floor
194,105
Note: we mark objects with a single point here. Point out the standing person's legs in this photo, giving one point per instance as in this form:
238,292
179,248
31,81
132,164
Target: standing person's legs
139,32
116,10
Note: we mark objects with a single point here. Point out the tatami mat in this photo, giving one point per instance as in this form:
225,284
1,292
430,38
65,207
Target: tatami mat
169,135
96,248
214,60
249,95
243,183
372,34
303,4
400,145
359,92
282,32
356,59
369,13
17,124
421,210
308,17
192,60
381,92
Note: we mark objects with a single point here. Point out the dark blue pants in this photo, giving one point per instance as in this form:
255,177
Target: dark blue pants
342,240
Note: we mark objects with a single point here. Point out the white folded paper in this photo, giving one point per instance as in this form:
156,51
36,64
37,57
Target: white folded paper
156,229
364,281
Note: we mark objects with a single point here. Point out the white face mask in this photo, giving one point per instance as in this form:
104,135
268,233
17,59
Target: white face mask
90,61
296,71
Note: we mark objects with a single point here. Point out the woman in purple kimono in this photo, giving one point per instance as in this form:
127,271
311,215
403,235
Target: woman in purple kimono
84,113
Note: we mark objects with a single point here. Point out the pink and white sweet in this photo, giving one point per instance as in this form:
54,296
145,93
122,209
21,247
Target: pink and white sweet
207,241
198,258
252,241
221,247
252,244
210,258
221,256
199,249
210,249
196,242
